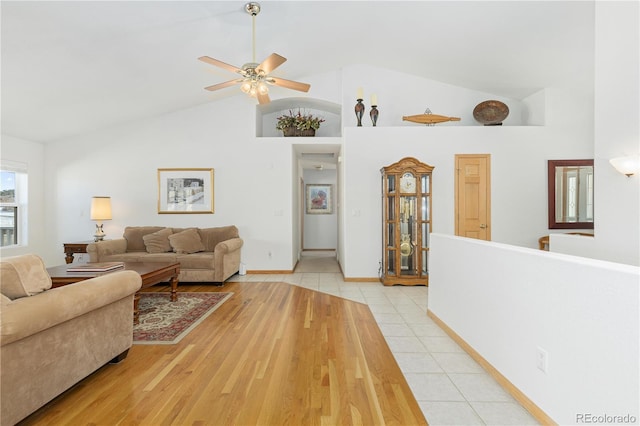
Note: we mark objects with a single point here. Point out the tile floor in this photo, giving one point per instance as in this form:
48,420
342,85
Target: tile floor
451,388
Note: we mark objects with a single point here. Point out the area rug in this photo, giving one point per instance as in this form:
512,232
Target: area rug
163,322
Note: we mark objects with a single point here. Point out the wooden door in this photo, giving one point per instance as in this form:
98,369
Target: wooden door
473,196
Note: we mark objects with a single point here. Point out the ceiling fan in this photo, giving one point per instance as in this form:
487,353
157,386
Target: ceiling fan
255,77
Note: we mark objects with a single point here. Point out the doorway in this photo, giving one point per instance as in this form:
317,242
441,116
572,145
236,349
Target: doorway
316,165
318,208
473,196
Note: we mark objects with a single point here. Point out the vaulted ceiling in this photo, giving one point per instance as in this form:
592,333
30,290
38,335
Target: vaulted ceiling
70,67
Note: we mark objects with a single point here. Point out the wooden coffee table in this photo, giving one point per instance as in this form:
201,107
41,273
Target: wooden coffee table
152,273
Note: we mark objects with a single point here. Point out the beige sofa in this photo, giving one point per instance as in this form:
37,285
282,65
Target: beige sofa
204,254
53,338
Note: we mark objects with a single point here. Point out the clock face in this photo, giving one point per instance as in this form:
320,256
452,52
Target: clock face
408,183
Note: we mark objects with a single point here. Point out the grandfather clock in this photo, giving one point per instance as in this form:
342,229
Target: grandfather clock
406,201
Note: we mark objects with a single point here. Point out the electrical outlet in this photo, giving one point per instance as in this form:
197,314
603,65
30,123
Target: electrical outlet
542,360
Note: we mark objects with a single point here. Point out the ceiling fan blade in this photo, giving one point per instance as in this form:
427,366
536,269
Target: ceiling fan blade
222,85
289,84
220,64
271,63
263,99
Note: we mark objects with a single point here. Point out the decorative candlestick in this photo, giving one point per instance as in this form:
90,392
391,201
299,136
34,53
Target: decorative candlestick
374,114
359,111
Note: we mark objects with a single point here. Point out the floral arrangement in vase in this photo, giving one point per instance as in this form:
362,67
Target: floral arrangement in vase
299,124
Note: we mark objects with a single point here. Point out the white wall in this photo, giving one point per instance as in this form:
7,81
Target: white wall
401,94
251,182
533,111
617,108
32,154
518,180
519,154
321,230
254,177
506,302
617,130
341,217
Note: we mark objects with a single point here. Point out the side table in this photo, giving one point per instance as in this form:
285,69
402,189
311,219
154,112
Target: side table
70,248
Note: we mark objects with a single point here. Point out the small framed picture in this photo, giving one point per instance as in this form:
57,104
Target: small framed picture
185,191
319,199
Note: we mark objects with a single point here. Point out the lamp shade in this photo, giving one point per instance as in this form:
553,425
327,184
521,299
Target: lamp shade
101,208
626,165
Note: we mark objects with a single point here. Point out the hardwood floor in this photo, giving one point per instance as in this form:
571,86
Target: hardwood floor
272,354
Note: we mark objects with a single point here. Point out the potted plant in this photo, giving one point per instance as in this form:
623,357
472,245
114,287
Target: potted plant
298,124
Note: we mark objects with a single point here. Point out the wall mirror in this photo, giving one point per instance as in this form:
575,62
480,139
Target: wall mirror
570,194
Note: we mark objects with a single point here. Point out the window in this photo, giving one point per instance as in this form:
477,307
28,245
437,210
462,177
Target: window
13,178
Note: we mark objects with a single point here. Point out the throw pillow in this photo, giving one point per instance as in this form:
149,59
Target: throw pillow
212,236
23,276
158,242
186,242
134,234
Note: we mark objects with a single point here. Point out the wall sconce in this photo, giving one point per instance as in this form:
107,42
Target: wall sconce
626,165
100,210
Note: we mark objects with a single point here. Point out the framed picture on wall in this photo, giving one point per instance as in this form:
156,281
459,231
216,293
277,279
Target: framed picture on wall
185,191
319,199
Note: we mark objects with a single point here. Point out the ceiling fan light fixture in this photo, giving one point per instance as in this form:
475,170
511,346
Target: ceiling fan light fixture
255,76
246,86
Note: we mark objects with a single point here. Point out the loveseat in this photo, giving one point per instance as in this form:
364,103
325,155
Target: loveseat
204,254
51,338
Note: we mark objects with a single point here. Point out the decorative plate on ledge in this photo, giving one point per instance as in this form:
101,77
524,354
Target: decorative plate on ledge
490,113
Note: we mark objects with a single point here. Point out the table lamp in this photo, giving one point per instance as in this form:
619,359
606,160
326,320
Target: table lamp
100,210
